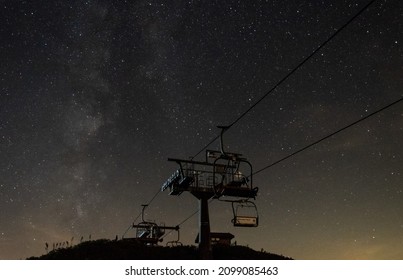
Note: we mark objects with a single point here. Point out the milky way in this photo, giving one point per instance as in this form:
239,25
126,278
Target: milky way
96,95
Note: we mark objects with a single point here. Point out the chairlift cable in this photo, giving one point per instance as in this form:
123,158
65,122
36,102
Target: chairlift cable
281,81
328,136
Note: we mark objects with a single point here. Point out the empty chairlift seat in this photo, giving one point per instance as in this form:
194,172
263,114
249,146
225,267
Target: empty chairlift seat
245,214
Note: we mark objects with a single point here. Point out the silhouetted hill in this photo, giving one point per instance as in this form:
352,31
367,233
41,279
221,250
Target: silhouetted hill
130,250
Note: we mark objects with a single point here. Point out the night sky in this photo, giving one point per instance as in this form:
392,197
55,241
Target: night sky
96,95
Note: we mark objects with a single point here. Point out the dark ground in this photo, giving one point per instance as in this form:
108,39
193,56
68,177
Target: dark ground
130,250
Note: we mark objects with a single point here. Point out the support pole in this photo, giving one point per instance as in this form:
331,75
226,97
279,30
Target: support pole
223,130
204,230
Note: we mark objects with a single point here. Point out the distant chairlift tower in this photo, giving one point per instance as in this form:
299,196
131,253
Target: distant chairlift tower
221,175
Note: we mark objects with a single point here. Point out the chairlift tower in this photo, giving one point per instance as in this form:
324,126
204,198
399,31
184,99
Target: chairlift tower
222,175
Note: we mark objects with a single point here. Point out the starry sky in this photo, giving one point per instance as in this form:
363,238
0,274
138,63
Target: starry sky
96,95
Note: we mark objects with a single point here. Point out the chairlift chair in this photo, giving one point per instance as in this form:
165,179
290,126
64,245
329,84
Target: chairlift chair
175,243
235,179
245,214
146,231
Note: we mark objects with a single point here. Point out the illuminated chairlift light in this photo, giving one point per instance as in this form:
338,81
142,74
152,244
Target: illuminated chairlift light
243,221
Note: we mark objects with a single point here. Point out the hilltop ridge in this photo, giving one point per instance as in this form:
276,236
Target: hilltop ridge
104,249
